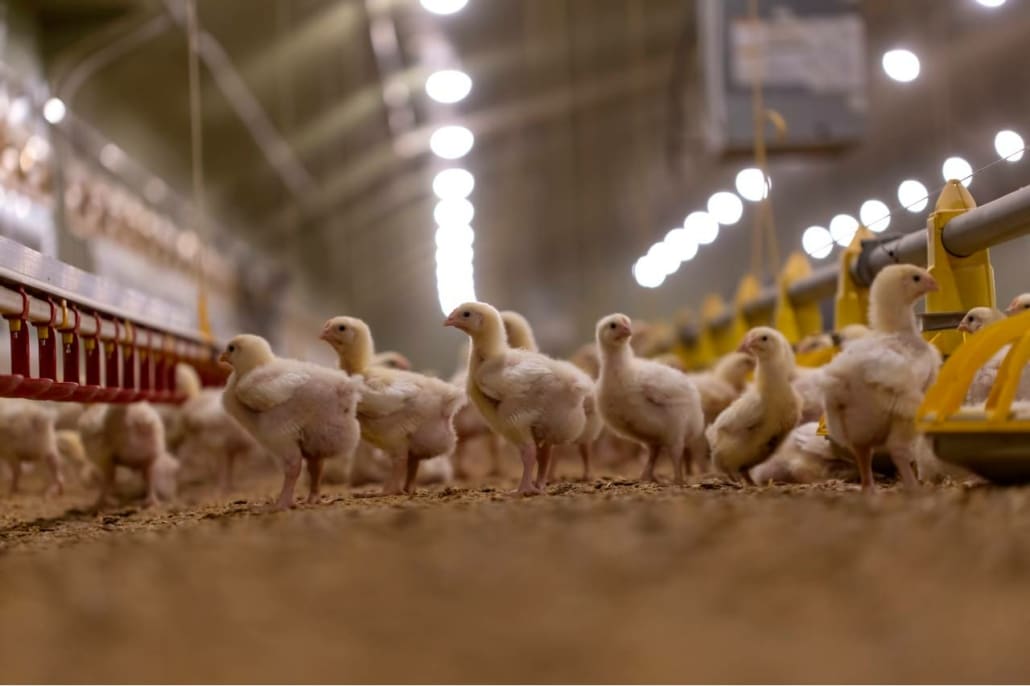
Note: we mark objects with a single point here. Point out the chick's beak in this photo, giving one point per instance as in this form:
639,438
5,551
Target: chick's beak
931,284
745,346
452,320
223,358
325,333
1013,307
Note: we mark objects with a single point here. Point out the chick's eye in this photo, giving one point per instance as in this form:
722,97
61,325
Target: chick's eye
466,314
232,348
765,338
341,327
916,278
612,325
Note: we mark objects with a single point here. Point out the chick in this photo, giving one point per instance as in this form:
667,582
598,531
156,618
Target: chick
391,360
73,455
849,333
208,432
187,382
130,436
671,360
1021,303
984,379
587,359
28,434
372,465
530,399
804,457
979,317
807,383
297,411
873,388
814,342
751,429
469,425
518,331
647,401
520,335
723,384
408,415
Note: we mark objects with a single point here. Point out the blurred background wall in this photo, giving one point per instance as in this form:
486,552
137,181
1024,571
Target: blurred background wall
598,126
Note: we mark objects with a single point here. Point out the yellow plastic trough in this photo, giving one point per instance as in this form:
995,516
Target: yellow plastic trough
987,440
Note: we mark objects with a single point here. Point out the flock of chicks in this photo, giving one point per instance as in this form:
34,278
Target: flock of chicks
374,407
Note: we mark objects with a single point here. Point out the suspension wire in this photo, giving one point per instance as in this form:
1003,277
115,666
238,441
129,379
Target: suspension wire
764,225
197,165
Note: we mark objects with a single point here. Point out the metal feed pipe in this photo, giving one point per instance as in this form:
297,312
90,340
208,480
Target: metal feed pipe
998,221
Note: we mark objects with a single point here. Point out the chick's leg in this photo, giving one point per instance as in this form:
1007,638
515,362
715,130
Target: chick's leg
410,473
151,484
398,466
902,455
864,460
15,475
292,460
676,453
550,468
314,479
527,452
652,458
543,462
106,468
584,455
225,473
53,463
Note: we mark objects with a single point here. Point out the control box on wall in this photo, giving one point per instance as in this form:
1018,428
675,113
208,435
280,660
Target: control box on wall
811,58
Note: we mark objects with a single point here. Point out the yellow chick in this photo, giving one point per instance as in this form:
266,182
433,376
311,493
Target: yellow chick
532,400
408,415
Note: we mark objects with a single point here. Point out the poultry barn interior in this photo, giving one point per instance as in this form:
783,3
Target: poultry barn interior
536,341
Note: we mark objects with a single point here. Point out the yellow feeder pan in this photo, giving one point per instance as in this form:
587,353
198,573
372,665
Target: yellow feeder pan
988,440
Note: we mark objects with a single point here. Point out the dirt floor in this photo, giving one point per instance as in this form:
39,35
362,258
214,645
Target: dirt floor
606,581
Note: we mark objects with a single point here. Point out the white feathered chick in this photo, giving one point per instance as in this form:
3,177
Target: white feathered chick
723,384
520,335
528,398
296,410
804,457
470,425
874,387
408,415
372,465
391,360
984,379
208,432
813,343
27,434
130,436
1021,303
849,333
646,401
752,428
807,383
979,317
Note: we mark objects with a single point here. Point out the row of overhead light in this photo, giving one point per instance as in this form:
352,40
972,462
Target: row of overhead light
455,282
725,208
818,241
701,227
